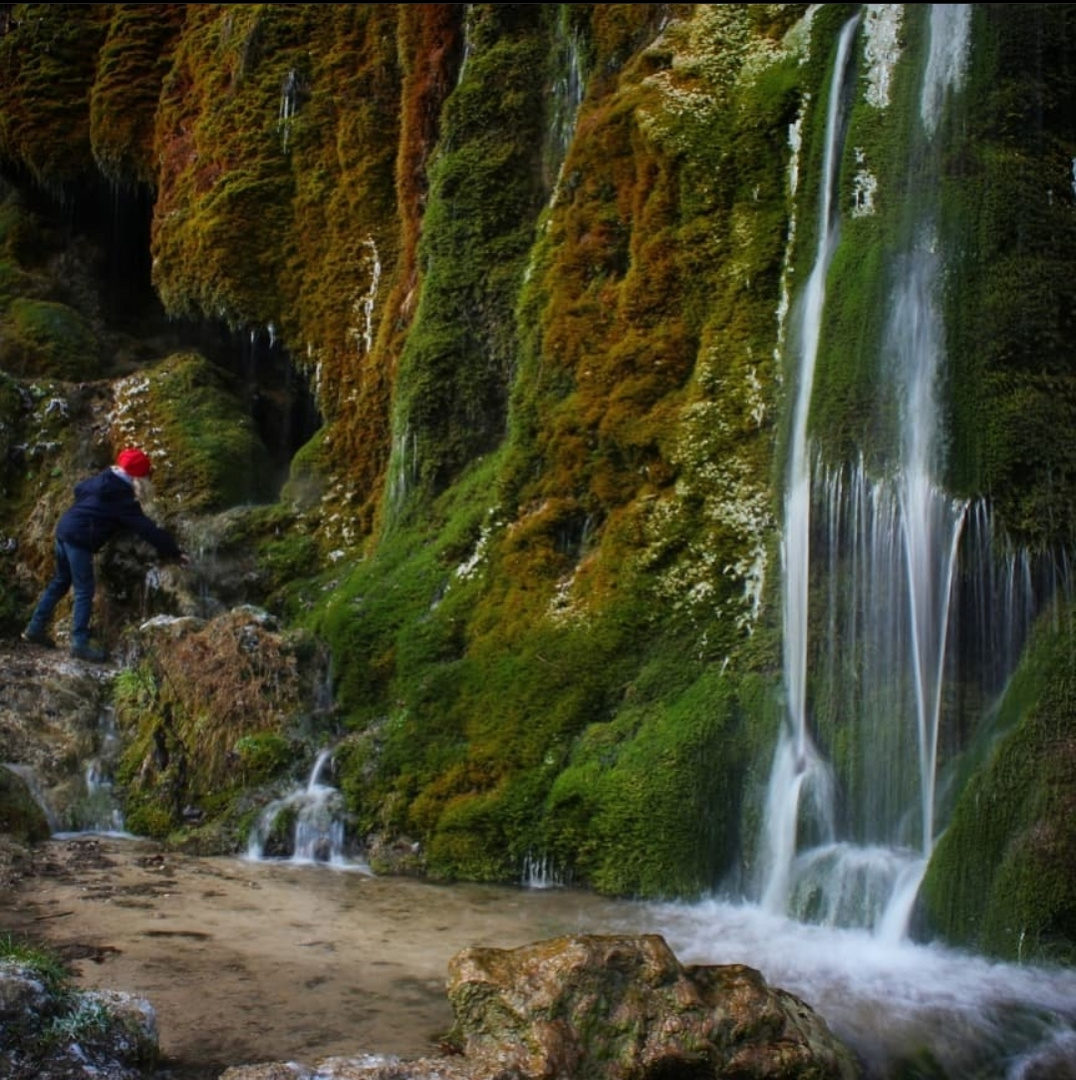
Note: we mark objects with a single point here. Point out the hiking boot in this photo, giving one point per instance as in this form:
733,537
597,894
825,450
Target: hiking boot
38,637
93,653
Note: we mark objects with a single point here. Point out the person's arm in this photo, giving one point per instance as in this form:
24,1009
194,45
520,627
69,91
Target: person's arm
136,520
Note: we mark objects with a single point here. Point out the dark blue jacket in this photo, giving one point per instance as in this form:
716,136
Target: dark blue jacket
104,506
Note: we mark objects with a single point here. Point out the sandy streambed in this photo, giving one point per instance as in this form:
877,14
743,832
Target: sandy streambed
253,962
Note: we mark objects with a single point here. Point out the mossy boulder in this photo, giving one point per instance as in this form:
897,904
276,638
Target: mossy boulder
46,338
188,415
20,815
622,1006
208,710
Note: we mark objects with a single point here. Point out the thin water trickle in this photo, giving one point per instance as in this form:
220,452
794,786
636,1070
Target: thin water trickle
100,811
26,774
86,803
307,826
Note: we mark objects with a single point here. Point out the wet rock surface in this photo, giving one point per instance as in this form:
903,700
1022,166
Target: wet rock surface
50,711
622,1006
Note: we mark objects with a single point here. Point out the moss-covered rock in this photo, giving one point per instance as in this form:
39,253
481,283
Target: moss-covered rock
186,414
21,817
49,54
44,338
208,710
133,60
1000,880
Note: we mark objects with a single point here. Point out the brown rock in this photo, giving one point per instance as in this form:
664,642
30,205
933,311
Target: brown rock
621,1007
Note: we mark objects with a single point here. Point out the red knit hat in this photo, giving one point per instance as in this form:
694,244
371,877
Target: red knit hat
134,462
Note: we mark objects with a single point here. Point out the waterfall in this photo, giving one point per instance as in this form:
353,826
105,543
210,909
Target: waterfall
26,774
542,872
363,306
890,547
289,104
99,811
314,816
565,98
83,800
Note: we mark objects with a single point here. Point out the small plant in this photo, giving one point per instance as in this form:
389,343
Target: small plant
89,1018
262,754
42,962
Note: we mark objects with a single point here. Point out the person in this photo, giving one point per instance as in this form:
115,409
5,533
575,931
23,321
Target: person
105,505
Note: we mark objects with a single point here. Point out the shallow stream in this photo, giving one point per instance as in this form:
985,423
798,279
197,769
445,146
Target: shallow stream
250,961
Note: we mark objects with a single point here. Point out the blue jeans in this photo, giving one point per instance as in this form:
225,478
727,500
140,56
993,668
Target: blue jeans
74,570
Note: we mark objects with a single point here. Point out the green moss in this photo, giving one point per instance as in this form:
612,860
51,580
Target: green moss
1000,879
206,713
188,416
223,204
44,338
486,638
635,812
1011,392
262,755
14,282
48,54
131,66
20,816
488,704
484,196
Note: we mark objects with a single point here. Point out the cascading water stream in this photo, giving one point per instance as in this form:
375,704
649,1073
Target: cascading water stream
796,762
890,549
930,521
314,816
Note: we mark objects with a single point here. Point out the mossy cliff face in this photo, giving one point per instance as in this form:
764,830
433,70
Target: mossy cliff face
1010,199
557,668
535,262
